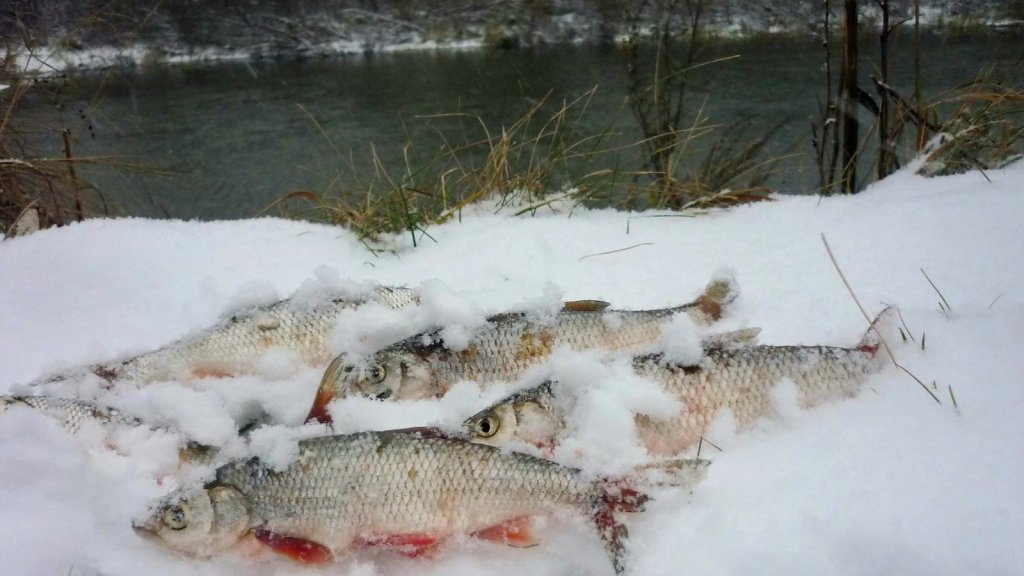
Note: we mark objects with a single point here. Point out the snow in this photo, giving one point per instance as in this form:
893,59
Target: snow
889,481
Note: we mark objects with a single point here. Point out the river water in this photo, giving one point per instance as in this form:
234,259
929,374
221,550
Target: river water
225,140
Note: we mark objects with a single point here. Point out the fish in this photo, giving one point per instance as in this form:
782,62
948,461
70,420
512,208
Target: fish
740,378
422,366
234,346
74,414
407,490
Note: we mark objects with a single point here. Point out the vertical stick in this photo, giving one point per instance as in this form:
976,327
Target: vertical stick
884,148
68,154
849,103
922,127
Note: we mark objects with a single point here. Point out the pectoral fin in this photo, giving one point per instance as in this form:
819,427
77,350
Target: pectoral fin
516,532
295,548
411,545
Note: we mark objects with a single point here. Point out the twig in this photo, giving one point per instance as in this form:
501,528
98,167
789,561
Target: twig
993,302
953,398
936,288
871,324
703,441
904,322
619,250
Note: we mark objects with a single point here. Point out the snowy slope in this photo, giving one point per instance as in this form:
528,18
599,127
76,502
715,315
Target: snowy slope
887,482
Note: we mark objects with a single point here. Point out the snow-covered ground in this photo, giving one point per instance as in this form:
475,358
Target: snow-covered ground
889,482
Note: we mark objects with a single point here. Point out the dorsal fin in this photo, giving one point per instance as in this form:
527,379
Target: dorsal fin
731,339
585,305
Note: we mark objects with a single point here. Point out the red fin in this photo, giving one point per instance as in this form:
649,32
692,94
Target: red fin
616,498
318,412
295,548
411,545
515,532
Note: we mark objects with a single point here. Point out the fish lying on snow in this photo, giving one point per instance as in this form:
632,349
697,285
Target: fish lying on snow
422,366
235,345
404,489
74,414
738,378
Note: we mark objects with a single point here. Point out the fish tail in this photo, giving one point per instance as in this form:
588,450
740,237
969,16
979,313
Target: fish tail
616,497
720,292
325,393
872,339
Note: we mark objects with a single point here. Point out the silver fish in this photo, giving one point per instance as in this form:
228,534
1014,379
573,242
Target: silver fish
739,378
73,414
406,489
422,366
235,345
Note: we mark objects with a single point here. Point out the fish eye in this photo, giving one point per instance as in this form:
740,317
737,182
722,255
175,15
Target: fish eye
486,426
378,373
175,517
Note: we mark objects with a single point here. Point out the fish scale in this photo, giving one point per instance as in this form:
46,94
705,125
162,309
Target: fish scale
732,375
350,490
423,366
74,414
235,345
743,380
71,413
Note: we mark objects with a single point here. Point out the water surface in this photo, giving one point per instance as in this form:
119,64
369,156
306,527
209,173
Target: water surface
230,138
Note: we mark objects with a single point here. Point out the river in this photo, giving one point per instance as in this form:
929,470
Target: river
225,140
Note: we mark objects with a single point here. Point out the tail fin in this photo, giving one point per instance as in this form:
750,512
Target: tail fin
682,473
718,294
872,339
616,498
325,393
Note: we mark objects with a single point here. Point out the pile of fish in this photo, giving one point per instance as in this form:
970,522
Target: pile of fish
411,489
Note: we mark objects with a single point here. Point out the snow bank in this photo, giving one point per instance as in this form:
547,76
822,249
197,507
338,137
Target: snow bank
887,482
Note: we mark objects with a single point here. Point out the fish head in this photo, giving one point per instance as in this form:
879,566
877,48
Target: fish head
529,417
199,522
389,375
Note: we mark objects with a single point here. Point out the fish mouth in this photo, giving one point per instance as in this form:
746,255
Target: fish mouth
145,531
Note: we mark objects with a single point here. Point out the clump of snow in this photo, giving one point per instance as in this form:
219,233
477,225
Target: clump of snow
459,317
599,400
889,481
278,446
680,341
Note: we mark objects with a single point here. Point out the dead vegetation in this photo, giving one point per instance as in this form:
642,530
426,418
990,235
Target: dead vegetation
35,185
542,161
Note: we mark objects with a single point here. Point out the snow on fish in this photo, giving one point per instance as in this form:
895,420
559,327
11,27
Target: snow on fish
738,378
424,366
74,415
403,489
235,345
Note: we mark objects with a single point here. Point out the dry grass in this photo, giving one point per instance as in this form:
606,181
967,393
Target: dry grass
541,160
985,131
30,180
